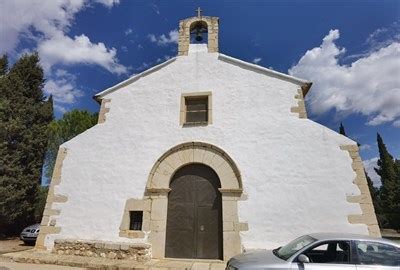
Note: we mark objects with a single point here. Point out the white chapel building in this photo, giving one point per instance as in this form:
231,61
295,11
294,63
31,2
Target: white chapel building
203,157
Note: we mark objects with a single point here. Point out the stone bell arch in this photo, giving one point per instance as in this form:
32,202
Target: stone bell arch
186,25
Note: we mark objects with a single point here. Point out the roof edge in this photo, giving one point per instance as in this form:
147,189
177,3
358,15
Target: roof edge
305,85
132,79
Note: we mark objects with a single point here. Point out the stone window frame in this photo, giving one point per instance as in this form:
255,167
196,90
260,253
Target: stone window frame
135,205
157,190
182,111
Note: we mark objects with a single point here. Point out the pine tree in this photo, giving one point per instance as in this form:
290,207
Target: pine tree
341,130
3,65
24,117
389,192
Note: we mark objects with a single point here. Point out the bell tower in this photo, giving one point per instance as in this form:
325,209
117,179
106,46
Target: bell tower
198,26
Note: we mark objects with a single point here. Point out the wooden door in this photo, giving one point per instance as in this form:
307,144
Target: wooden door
194,218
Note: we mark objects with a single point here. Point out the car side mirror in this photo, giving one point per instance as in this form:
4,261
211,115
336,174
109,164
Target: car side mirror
303,258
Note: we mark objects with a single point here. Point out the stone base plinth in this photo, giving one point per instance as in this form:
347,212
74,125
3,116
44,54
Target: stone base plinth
140,252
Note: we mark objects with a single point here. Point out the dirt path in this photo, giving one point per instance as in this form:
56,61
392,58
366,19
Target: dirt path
12,245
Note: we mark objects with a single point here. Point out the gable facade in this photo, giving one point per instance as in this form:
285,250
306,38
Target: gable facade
279,175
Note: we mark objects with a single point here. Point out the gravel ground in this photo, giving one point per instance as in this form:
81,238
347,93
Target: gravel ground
12,245
30,266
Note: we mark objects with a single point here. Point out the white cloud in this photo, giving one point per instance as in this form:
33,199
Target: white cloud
63,88
369,166
47,24
369,85
128,31
384,36
365,147
163,40
152,38
20,17
257,60
65,50
162,59
155,8
144,66
108,3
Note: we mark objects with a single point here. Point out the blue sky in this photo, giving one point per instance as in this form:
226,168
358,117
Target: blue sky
349,49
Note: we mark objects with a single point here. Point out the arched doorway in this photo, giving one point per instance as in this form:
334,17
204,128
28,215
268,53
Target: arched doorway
158,189
194,216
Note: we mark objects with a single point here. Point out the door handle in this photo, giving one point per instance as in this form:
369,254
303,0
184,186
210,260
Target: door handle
202,228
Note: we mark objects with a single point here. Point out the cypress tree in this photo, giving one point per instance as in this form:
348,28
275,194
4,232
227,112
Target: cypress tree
373,190
397,195
389,190
341,130
24,117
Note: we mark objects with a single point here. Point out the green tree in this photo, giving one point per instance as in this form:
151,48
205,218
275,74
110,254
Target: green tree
341,130
24,117
397,195
71,124
41,202
3,65
389,192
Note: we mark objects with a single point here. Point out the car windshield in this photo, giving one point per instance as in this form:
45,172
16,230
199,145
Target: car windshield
287,251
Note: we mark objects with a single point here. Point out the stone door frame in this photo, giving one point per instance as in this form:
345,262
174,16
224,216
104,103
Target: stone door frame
157,189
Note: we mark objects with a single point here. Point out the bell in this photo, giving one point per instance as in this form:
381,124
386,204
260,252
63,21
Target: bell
199,37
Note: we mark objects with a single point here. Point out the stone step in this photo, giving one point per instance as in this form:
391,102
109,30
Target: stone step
43,257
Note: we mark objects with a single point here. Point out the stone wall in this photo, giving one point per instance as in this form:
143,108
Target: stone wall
140,252
367,216
48,225
274,149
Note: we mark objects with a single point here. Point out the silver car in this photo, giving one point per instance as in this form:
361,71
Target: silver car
324,251
30,234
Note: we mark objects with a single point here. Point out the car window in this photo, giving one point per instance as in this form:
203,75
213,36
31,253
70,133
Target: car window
321,247
374,253
287,251
334,252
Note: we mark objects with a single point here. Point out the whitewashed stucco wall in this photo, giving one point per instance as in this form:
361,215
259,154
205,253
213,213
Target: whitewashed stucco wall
293,171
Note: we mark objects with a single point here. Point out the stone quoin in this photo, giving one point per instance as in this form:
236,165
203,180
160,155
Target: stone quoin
203,157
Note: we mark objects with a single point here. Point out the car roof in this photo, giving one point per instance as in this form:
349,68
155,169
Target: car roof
37,225
349,236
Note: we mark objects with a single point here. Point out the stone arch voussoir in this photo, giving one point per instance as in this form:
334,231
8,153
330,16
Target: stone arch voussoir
195,152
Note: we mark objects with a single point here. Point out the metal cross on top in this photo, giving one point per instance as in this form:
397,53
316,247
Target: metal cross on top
198,10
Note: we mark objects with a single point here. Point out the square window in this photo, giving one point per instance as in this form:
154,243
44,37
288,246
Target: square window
136,220
196,109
